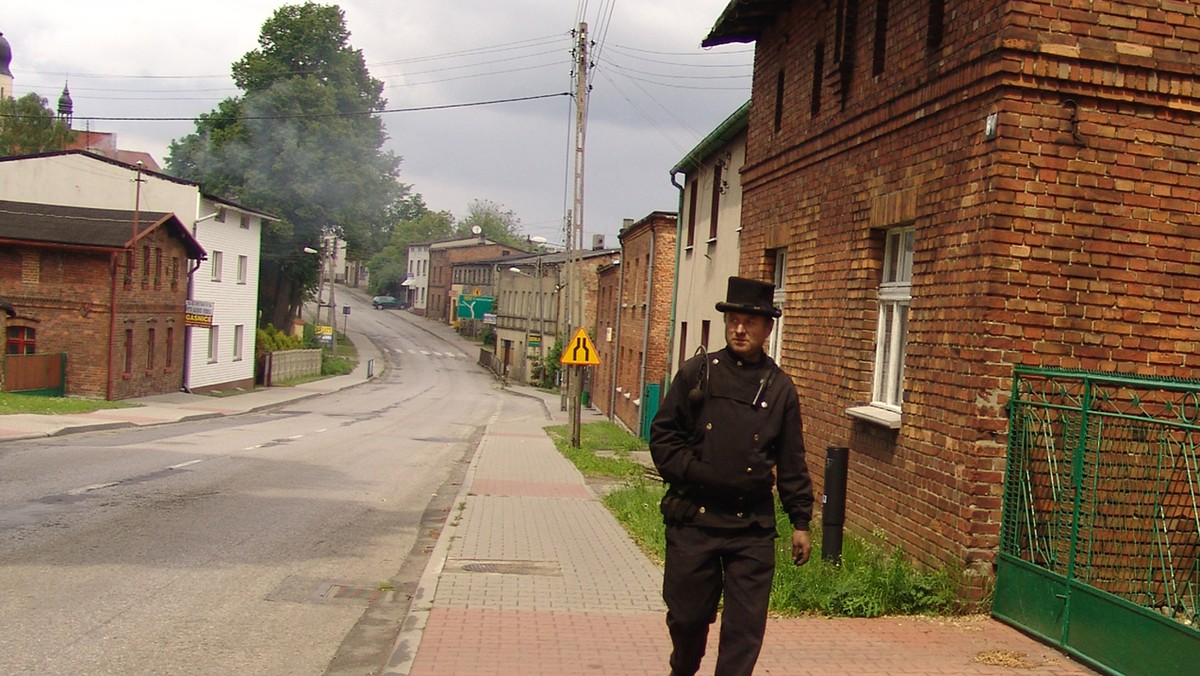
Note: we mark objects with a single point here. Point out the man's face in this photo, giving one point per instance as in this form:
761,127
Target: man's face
747,333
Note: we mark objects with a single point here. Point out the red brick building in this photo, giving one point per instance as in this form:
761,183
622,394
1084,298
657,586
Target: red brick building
961,187
645,290
443,293
608,289
81,282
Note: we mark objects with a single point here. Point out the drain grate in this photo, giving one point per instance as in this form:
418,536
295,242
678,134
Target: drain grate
546,568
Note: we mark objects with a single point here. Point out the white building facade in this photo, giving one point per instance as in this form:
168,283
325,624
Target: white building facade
708,245
417,279
219,357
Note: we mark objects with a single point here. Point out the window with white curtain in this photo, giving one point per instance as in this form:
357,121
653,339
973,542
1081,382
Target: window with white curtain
891,335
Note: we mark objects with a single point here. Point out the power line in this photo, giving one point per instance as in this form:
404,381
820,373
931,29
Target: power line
415,109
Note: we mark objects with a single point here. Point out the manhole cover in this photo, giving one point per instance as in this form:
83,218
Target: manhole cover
510,567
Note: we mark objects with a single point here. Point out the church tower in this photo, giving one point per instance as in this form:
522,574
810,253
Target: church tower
66,107
6,76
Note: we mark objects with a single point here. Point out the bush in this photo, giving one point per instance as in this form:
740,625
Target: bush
335,366
271,339
549,367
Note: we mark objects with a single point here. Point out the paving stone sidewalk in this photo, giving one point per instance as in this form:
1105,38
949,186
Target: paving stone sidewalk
533,576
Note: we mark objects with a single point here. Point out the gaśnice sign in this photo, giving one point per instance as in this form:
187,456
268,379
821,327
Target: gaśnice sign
198,313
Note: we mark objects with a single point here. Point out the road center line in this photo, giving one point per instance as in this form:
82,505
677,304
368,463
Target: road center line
93,487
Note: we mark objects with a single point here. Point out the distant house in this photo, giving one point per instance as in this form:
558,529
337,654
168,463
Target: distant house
442,298
220,355
645,293
416,280
528,312
105,286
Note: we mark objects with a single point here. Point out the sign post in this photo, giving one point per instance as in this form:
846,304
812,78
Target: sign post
579,352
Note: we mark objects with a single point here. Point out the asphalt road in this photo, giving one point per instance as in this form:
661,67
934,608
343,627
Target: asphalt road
283,542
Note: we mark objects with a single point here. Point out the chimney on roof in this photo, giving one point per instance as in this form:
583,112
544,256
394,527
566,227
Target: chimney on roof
625,223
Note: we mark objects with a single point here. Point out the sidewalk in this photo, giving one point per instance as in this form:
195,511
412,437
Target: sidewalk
531,574
181,406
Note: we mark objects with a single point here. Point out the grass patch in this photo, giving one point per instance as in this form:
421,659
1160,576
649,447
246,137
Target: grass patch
604,449
342,361
872,579
24,403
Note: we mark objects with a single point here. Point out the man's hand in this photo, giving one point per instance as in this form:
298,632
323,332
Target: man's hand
801,547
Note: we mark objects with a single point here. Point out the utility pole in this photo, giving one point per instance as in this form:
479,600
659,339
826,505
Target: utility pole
575,241
332,302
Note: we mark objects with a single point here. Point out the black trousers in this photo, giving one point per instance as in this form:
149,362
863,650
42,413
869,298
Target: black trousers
702,564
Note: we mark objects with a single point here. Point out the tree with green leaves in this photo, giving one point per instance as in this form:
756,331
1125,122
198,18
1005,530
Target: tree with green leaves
304,142
30,125
495,223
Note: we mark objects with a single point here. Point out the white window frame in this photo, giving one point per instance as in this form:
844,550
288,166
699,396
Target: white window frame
239,333
216,266
214,343
242,269
775,341
891,335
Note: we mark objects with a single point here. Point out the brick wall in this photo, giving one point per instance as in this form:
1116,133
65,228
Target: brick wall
441,263
66,297
1068,240
647,287
608,284
63,296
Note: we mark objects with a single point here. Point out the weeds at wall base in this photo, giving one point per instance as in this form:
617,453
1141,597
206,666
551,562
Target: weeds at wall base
872,578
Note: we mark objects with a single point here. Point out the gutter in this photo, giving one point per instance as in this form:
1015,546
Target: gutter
671,367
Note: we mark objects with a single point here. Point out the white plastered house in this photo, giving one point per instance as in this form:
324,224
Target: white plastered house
709,239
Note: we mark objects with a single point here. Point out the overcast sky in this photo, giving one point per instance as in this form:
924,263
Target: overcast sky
655,92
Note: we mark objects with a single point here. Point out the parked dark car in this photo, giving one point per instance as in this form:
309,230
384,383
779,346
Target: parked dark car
385,302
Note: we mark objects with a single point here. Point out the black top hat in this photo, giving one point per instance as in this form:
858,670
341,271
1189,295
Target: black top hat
750,296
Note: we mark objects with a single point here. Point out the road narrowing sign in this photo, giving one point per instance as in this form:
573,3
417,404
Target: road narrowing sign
580,351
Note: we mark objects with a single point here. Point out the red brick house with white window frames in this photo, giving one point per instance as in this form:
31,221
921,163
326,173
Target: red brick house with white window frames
962,186
83,282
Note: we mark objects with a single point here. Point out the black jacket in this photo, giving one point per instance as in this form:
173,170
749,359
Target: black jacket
717,448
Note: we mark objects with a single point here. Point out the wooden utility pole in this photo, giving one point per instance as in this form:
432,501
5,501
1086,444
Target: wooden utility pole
575,242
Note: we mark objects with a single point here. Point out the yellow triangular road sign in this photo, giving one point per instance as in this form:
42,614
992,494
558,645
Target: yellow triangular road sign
580,351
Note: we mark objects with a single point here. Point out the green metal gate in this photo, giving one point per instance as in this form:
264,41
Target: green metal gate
1101,534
